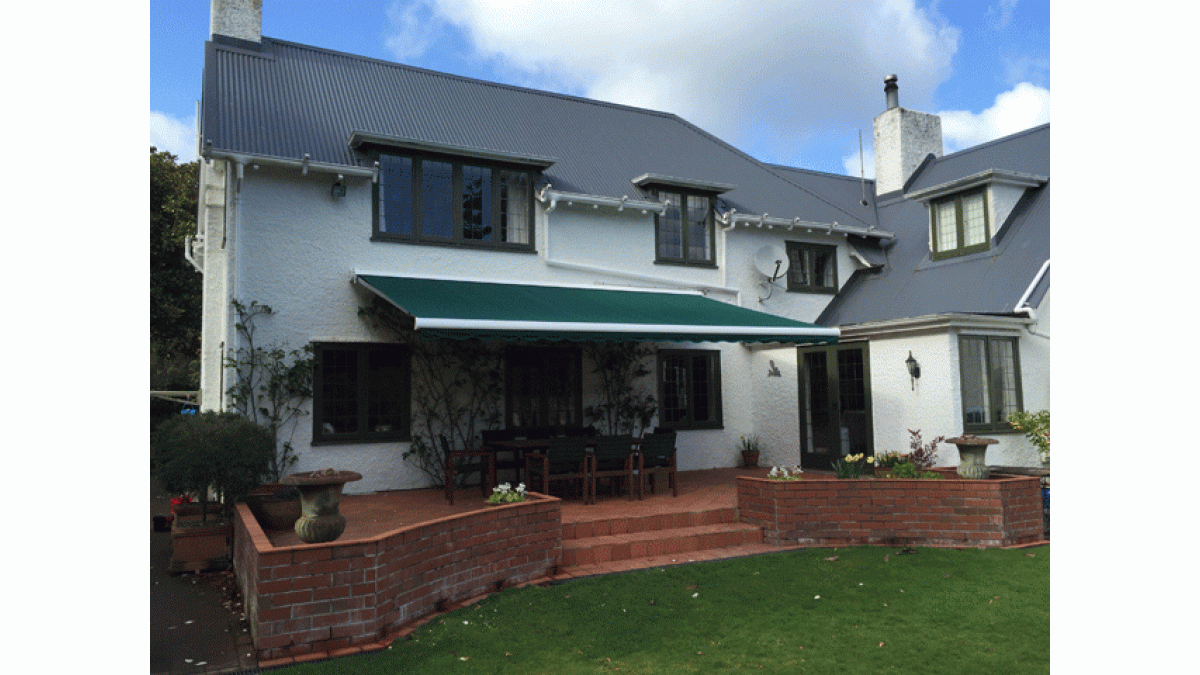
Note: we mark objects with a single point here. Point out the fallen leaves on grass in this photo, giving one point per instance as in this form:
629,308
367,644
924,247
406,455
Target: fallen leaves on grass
831,558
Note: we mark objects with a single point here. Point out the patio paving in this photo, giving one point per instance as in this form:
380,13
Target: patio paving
374,514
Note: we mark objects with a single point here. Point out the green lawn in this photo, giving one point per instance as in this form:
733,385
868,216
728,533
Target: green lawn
931,611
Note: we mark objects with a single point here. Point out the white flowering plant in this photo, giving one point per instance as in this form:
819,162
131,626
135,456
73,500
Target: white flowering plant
784,473
505,493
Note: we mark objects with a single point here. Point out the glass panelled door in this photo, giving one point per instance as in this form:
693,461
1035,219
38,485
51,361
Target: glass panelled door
835,404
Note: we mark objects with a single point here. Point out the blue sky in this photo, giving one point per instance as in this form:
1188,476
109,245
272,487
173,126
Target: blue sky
787,81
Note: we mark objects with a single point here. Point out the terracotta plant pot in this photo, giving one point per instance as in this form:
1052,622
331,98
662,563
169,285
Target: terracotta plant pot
749,459
275,506
320,497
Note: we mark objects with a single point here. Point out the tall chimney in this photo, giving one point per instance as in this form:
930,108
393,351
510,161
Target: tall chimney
241,19
903,138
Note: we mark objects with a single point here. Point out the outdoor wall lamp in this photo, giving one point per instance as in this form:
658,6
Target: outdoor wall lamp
338,190
914,369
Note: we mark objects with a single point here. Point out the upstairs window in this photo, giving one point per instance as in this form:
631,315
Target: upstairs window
446,201
683,235
812,268
960,225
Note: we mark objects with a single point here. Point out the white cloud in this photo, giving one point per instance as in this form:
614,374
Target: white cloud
413,29
762,77
1001,13
173,135
1024,106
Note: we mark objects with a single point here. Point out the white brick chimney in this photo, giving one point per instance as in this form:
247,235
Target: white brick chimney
240,19
903,138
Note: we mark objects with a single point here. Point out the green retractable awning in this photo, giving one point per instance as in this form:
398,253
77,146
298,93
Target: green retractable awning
476,309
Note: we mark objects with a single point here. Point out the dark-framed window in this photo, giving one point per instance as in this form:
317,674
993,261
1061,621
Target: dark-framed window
544,387
362,392
990,375
443,200
960,224
684,233
812,268
689,389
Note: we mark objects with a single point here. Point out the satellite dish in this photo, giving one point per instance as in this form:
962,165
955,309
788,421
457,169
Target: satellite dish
771,262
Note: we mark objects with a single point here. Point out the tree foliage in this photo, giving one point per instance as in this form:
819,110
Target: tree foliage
625,407
175,286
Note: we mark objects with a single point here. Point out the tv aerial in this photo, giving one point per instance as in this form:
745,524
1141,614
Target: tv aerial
772,263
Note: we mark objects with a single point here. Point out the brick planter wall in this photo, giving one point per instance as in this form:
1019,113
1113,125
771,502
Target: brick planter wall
349,595
825,511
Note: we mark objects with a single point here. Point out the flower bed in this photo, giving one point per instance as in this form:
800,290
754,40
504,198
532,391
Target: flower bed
350,595
824,511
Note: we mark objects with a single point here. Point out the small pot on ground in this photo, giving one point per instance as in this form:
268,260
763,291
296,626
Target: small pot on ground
749,459
320,497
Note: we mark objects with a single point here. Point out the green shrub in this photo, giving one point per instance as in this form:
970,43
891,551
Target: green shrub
224,452
904,470
930,475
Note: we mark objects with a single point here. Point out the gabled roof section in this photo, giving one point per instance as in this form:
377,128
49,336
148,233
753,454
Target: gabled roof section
288,100
911,284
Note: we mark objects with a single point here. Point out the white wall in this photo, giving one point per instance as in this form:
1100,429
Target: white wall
294,247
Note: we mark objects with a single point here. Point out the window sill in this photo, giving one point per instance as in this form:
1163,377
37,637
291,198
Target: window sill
685,263
814,291
360,440
455,243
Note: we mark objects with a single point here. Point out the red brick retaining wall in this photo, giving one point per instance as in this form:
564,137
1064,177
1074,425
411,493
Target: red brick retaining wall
825,511
349,594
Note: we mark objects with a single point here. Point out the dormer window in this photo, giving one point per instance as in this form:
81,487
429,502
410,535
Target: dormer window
683,234
960,224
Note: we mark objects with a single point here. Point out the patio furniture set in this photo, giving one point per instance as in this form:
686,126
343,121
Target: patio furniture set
577,456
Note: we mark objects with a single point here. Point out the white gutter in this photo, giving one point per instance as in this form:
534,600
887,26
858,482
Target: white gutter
733,218
1021,307
565,326
553,197
304,164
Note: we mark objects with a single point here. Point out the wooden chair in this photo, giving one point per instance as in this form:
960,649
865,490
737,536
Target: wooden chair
657,452
507,459
615,458
466,462
567,459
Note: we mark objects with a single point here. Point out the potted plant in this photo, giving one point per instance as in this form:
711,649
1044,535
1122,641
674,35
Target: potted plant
1037,429
219,458
750,450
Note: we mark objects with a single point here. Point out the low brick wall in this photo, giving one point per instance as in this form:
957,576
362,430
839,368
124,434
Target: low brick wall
351,594
825,511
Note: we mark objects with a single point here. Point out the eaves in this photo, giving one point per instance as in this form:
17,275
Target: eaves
936,323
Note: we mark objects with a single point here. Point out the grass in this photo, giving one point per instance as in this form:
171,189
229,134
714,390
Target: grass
931,611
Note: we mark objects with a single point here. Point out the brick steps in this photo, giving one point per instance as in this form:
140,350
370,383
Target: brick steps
630,542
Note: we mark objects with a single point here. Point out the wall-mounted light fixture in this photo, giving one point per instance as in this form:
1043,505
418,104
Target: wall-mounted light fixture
338,190
914,369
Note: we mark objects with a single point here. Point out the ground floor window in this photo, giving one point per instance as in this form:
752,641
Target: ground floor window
544,387
361,392
689,389
990,372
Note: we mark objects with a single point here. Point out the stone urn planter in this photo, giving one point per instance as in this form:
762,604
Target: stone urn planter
971,451
320,497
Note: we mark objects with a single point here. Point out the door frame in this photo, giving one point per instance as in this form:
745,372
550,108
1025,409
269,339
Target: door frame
834,381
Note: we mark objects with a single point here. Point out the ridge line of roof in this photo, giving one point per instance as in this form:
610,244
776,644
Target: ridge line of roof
464,78
994,141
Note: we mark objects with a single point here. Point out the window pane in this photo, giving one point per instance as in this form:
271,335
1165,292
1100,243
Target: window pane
339,391
437,199
514,207
675,396
386,409
1004,378
946,226
670,234
823,270
544,387
974,227
974,381
395,195
699,233
702,404
477,203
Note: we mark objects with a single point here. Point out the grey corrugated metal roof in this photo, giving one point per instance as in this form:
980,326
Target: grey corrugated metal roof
990,282
287,100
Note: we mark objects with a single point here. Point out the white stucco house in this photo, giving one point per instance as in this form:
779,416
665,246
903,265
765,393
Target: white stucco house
538,223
